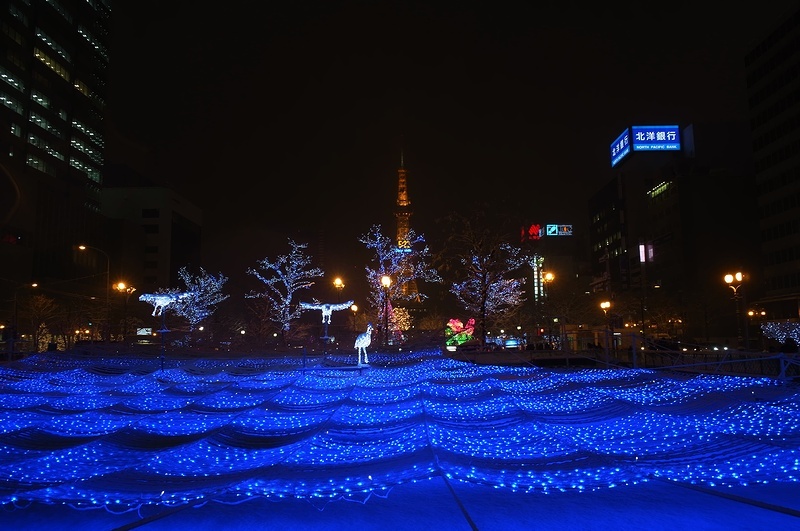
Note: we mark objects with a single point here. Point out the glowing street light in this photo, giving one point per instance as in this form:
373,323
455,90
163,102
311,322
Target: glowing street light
386,282
606,306
338,283
354,309
735,281
108,286
127,290
14,325
758,316
547,278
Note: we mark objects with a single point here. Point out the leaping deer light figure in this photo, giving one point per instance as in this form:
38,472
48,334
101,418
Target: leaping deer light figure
362,342
161,300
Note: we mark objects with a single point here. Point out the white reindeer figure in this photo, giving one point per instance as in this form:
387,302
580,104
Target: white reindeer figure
362,342
161,300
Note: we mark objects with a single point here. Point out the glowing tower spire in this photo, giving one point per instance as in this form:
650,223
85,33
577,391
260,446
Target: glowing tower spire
403,213
403,216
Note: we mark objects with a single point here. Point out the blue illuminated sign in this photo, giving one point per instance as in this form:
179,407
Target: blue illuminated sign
559,230
656,138
620,147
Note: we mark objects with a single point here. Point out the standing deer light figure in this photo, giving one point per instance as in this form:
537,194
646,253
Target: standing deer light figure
362,342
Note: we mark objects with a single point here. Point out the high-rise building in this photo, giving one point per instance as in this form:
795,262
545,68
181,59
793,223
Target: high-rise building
53,90
687,210
773,87
57,188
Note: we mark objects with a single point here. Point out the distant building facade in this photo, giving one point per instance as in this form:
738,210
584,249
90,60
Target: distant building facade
170,236
773,87
57,189
668,227
53,90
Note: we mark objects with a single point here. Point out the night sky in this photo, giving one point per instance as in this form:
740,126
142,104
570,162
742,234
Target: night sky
282,119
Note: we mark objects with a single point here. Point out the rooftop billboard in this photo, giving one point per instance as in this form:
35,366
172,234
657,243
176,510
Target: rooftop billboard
620,147
656,138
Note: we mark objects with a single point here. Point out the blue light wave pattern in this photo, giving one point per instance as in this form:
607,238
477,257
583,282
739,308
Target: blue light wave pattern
123,432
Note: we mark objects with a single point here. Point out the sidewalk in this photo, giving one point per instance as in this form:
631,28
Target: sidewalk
656,505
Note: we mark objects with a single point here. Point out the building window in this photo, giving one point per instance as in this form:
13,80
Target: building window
40,165
54,65
150,212
9,78
10,103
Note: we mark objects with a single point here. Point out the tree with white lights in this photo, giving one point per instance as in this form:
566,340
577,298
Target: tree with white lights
488,291
41,310
787,333
485,268
203,293
283,277
411,263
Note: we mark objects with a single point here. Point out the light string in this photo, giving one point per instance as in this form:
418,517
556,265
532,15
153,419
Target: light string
121,434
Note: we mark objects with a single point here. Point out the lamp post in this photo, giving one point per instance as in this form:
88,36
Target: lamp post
14,325
386,282
606,306
127,290
735,281
758,316
108,286
547,279
338,283
354,309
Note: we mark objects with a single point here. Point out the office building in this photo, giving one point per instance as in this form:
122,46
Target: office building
53,89
57,188
773,87
669,225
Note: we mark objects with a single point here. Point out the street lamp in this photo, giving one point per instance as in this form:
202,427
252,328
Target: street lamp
758,316
338,283
547,279
127,290
108,285
606,306
386,282
13,335
735,281
354,309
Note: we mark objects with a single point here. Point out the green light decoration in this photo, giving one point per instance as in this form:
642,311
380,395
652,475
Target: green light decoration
458,334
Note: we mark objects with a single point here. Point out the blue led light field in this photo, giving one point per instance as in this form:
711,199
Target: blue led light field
123,433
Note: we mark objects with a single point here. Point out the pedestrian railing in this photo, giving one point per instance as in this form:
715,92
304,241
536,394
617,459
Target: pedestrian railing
740,362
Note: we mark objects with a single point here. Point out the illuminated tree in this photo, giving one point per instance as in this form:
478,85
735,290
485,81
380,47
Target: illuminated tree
487,291
41,309
787,333
404,265
204,292
283,277
400,320
484,268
